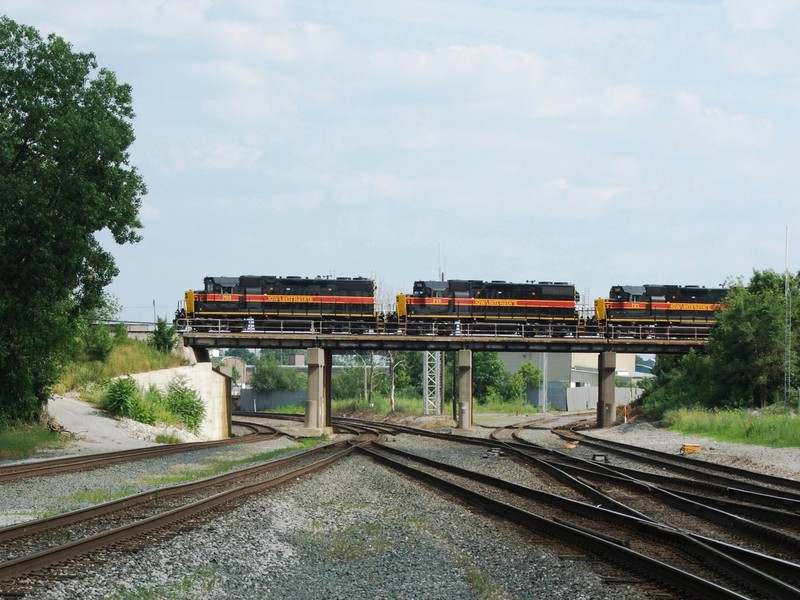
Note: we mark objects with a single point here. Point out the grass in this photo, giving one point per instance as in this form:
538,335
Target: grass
479,580
129,356
215,467
357,541
413,407
24,441
89,497
197,584
773,428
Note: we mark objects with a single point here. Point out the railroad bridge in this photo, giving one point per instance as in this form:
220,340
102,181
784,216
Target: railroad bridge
322,346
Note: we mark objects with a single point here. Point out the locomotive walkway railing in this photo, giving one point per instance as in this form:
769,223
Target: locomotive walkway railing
347,336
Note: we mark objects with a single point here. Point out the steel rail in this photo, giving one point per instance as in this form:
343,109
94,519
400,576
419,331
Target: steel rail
62,520
603,548
630,479
691,466
21,566
693,504
687,542
93,461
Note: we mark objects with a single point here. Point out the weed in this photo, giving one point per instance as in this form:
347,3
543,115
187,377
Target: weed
87,497
22,441
197,584
775,429
215,467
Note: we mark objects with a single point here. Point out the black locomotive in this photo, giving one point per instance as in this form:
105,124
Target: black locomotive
629,307
453,306
550,305
251,302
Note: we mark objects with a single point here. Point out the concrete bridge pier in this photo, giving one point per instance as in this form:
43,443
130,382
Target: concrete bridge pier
464,390
606,401
318,404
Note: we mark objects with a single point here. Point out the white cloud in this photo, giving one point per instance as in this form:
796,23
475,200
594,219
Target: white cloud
211,155
301,44
717,127
559,197
368,188
227,156
150,17
762,15
624,101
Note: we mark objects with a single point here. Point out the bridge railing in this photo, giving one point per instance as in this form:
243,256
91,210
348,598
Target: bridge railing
699,332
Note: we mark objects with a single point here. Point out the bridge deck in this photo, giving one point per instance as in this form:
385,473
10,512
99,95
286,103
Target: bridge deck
382,341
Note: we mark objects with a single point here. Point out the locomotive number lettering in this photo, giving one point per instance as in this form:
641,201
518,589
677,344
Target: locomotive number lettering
488,302
285,298
684,306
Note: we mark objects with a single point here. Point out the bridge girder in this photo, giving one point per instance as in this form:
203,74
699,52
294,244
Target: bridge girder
377,342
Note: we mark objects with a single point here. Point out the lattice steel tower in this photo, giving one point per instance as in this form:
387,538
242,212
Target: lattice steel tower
432,367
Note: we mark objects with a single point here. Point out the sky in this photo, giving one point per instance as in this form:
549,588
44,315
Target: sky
597,142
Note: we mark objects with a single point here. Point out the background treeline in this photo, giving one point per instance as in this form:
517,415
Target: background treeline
750,357
388,374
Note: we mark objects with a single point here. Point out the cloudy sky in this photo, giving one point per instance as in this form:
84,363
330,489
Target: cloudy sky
598,142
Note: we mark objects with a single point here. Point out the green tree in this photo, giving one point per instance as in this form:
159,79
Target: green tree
163,337
97,341
269,376
531,375
348,384
747,346
489,375
248,356
95,336
744,364
65,130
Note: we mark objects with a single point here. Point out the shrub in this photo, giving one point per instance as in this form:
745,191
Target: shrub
97,342
144,411
120,331
163,338
185,403
121,396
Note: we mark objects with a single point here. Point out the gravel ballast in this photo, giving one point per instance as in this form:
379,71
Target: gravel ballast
355,530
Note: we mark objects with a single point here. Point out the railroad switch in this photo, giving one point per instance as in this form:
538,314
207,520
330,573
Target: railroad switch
494,453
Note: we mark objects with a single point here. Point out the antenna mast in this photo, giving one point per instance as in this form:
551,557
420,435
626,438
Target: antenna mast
787,329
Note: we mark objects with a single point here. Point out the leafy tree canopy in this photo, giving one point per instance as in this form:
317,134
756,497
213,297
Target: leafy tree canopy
269,376
744,365
65,130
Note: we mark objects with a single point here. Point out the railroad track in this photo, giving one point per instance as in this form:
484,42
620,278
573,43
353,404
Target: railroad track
69,464
677,561
739,520
720,474
757,572
30,548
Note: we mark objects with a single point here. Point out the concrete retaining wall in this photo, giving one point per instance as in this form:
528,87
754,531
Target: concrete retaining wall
212,388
